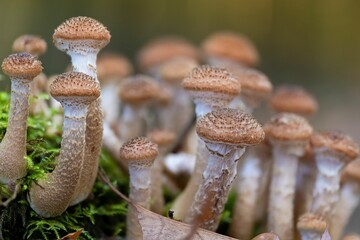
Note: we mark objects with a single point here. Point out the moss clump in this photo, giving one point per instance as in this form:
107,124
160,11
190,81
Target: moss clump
103,214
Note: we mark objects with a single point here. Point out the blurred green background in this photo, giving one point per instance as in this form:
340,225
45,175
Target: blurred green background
312,43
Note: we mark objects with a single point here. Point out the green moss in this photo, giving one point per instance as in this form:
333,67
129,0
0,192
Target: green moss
103,214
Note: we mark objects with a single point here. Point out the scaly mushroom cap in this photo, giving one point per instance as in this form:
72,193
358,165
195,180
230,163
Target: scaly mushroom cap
230,126
211,79
139,151
177,69
75,85
252,81
288,127
351,236
21,65
231,46
351,172
112,66
161,137
311,222
163,49
266,236
82,31
337,142
139,89
295,99
32,44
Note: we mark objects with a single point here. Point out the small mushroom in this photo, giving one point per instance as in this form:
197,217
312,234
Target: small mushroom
229,46
51,196
82,38
164,139
140,154
226,133
288,134
311,226
266,236
22,68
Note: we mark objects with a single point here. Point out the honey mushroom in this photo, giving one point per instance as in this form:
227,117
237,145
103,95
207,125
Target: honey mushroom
311,226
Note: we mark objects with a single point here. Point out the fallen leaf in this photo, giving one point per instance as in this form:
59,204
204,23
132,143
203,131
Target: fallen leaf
72,236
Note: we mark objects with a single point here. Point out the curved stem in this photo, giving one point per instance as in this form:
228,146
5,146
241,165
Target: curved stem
157,195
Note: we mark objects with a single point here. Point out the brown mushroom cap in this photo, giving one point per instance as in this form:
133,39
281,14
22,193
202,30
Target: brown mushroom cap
161,137
252,81
232,46
351,172
230,126
288,127
139,151
211,79
75,85
82,28
266,236
295,99
112,66
139,89
32,44
337,142
311,222
163,49
177,69
21,65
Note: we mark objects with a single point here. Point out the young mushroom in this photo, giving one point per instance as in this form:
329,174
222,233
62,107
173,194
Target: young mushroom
288,134
22,68
226,133
82,38
210,88
51,196
266,236
140,154
333,151
311,226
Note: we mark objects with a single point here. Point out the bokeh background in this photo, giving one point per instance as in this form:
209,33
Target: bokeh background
312,43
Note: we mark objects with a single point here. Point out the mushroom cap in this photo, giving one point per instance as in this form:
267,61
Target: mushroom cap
351,236
163,49
177,69
211,79
351,172
139,89
139,151
113,66
231,46
76,86
288,127
311,222
266,236
295,99
252,81
21,65
336,141
161,137
230,126
32,44
82,31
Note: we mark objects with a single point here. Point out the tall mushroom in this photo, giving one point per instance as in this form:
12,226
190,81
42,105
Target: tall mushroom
288,133
21,68
226,133
140,154
52,195
211,88
82,38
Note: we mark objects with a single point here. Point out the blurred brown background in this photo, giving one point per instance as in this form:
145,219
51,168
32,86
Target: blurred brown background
312,43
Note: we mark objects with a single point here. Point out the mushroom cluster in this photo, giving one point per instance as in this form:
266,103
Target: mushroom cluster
294,180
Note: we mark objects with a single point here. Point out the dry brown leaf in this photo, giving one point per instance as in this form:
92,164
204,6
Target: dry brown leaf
73,236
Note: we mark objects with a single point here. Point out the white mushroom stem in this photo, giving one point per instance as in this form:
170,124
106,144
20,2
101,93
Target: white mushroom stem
132,122
110,103
349,200
13,145
327,185
85,63
248,185
51,196
282,190
140,193
310,235
218,176
112,144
